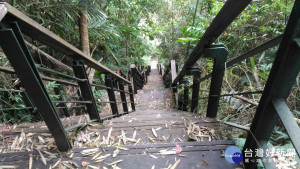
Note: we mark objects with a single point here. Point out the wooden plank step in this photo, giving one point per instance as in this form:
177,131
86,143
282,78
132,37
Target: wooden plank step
194,155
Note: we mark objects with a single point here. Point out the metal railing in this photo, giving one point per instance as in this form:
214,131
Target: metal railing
272,105
14,26
139,77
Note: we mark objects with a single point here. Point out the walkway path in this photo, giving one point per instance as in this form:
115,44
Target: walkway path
146,138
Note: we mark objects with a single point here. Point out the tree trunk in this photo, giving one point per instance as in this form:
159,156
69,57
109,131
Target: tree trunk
83,32
84,39
126,41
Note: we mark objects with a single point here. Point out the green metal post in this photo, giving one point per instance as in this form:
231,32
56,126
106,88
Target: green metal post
111,95
281,79
219,53
131,97
14,47
86,90
196,86
123,96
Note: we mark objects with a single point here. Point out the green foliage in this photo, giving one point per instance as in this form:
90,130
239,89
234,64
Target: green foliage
115,31
260,22
279,137
50,88
11,109
61,16
98,95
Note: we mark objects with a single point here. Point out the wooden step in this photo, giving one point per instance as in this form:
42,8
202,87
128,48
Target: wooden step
193,155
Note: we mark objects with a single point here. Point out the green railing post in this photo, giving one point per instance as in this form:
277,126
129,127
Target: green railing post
185,95
196,86
134,76
131,97
160,71
14,47
219,53
145,77
272,105
183,99
123,96
111,95
86,90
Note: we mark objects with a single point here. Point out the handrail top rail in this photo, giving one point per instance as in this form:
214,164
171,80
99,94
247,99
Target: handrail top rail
230,10
38,32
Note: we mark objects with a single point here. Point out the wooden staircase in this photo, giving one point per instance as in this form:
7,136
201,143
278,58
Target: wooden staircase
154,136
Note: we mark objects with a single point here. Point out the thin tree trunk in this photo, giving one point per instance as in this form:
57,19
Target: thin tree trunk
83,32
126,41
126,46
84,39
